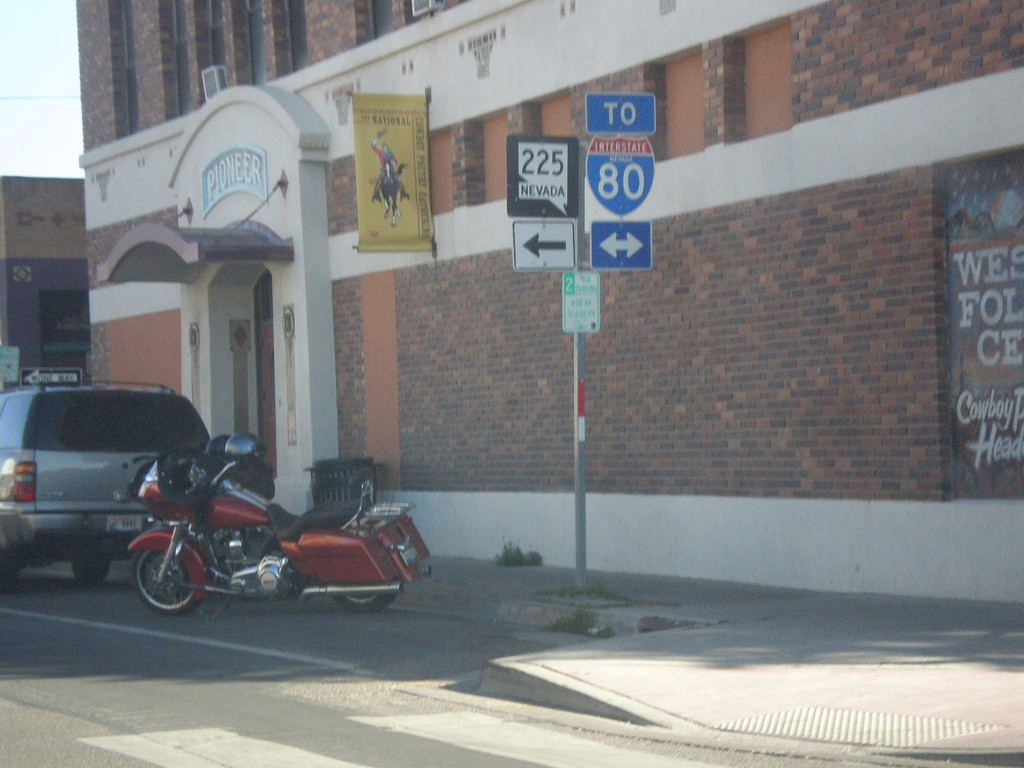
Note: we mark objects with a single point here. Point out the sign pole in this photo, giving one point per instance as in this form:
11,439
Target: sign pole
580,373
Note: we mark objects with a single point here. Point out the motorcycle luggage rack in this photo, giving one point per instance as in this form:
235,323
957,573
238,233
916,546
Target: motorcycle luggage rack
387,511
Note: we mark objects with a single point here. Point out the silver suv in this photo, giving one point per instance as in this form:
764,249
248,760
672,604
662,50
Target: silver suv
67,456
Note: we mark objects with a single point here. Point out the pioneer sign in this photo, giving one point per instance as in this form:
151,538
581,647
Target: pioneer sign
241,168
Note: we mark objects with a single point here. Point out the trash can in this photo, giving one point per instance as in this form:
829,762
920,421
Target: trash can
341,479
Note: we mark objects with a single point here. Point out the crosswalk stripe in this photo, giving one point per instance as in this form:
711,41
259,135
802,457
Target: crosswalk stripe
218,748
489,735
212,748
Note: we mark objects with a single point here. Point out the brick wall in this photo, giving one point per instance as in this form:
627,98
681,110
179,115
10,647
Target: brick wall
485,378
331,28
786,347
42,218
783,347
350,367
852,54
342,214
95,73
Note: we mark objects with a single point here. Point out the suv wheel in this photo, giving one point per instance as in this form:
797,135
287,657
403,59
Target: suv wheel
11,563
90,568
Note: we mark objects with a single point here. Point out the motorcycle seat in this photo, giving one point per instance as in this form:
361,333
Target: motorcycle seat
333,514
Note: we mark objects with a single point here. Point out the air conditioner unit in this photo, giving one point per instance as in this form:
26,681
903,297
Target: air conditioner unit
421,7
215,80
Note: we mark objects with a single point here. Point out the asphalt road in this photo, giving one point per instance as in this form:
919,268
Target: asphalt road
89,677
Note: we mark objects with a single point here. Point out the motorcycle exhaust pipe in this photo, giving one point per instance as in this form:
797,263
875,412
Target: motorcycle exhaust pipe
352,589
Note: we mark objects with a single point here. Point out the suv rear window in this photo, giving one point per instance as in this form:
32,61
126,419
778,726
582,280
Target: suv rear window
117,421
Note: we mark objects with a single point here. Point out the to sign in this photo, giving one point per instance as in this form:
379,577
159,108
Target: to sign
620,172
543,176
581,302
621,113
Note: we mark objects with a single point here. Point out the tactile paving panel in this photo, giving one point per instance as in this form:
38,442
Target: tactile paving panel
875,729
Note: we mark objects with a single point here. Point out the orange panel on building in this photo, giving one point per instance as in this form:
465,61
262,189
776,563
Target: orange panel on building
146,349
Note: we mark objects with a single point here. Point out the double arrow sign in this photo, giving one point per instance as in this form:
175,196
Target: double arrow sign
621,245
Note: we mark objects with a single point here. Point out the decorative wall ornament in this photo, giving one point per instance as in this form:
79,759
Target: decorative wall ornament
481,48
342,98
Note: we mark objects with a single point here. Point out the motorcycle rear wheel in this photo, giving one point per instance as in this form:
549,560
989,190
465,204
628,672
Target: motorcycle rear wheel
169,597
365,603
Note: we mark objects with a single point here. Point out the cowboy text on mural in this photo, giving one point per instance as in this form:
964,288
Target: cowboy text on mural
1000,417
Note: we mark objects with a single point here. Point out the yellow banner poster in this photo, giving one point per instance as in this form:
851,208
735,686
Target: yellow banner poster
392,173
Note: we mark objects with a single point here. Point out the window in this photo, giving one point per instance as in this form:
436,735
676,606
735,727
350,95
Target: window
297,34
13,419
495,170
442,189
64,330
684,105
215,27
116,421
382,16
769,81
127,106
180,40
254,36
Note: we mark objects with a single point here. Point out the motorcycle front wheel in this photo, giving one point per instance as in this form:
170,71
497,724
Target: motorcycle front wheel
171,596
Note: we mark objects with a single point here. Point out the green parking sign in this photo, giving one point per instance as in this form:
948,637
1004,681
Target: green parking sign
581,302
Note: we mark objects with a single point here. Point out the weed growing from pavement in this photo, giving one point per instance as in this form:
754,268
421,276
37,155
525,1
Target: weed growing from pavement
581,622
511,556
595,592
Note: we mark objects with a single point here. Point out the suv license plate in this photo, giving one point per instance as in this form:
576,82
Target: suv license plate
124,523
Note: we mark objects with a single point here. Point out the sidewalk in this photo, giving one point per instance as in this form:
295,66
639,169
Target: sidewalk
918,677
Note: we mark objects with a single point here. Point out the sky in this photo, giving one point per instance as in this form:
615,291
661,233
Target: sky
40,104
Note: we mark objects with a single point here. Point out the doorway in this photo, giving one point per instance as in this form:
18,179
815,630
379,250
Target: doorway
266,412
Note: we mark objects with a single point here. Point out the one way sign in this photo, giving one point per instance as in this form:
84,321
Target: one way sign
544,245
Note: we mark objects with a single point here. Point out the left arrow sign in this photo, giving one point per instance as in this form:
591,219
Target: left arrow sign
544,245
535,245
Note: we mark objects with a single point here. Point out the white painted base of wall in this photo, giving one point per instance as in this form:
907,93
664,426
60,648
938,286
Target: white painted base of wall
968,550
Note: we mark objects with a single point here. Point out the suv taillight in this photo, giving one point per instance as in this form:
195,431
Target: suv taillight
25,481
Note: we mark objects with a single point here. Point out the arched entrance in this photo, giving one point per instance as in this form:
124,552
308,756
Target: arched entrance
242,259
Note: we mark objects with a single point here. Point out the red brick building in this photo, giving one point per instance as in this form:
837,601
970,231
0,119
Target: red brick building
818,384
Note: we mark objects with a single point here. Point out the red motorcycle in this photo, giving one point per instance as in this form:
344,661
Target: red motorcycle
221,535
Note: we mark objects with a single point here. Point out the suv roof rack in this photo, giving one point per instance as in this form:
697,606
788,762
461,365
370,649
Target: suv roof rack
140,385
134,386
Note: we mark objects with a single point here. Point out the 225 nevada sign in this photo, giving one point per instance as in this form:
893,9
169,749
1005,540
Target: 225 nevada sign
543,176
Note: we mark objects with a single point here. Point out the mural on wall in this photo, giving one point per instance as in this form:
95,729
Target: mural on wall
392,173
985,268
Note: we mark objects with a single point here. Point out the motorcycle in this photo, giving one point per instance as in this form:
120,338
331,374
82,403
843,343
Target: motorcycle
221,535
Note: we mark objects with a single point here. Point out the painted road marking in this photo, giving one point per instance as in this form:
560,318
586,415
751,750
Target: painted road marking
211,748
489,735
313,661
